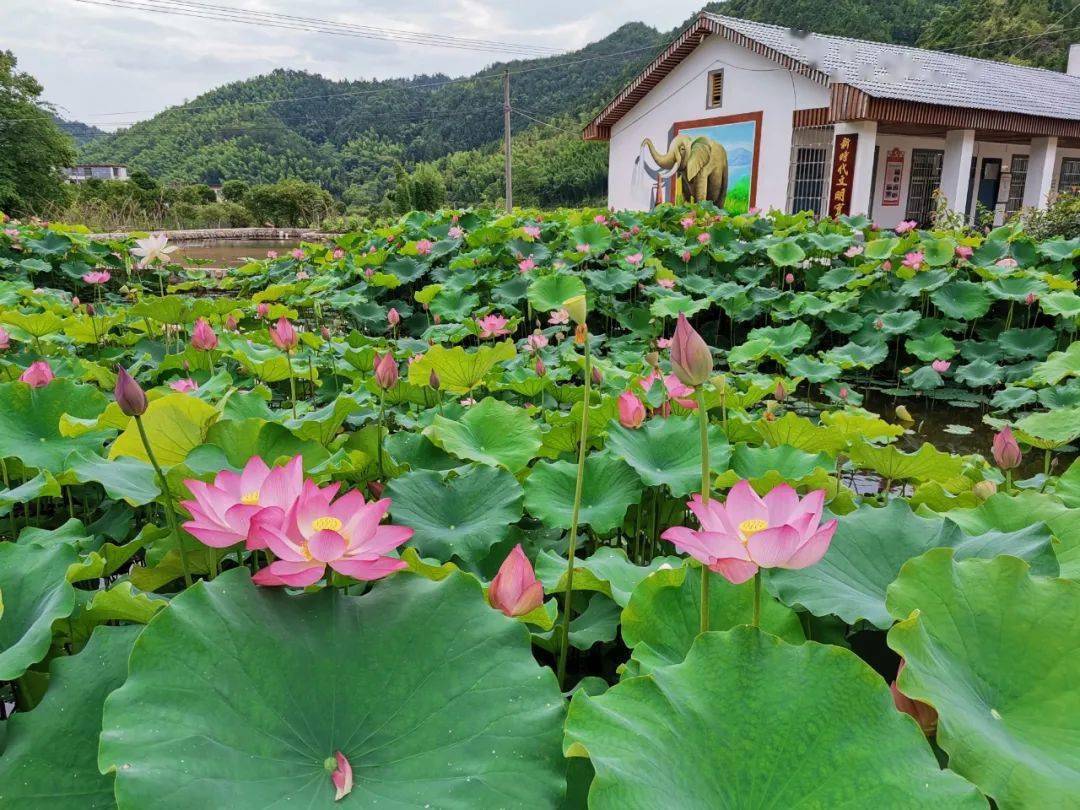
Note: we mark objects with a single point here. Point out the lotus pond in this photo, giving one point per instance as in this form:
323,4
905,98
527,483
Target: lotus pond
545,510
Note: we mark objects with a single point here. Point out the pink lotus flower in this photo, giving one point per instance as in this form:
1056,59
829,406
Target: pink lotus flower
262,310
455,233
1006,450
5,339
687,223
704,238
635,258
317,531
386,370
38,374
182,386
537,340
469,401
222,512
631,410
925,715
964,252
746,532
284,335
906,226
886,266
532,231
853,251
600,219
301,275
914,260
686,255
1030,299
492,326
940,366
584,247
97,277
338,254
663,343
423,247
691,359
676,390
231,323
203,336
515,590
341,777
559,316
1007,262
789,278
525,265
666,283
297,253
393,317
271,254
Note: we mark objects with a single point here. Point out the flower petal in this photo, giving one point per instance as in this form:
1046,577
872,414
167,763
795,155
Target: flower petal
812,550
368,569
782,501
734,571
743,504
326,546
293,574
774,546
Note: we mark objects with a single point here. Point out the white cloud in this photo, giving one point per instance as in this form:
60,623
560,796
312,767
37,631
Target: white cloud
95,60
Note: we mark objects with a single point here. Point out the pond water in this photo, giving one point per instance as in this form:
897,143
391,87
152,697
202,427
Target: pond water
231,252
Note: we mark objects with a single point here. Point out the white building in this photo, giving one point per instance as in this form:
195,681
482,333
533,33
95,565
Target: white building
96,171
836,125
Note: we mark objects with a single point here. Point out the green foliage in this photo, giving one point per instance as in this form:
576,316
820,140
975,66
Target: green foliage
288,202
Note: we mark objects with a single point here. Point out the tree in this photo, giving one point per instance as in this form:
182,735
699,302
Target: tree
290,202
33,150
234,190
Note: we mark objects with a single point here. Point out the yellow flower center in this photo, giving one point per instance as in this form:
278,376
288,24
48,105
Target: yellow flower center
748,528
326,524
250,498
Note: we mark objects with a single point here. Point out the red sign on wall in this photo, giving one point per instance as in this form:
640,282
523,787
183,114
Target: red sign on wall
894,175
843,173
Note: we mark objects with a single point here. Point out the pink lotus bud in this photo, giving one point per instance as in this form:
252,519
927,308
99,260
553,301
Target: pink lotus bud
338,255
963,252
262,310
393,317
437,318
541,369
631,411
984,490
5,339
283,335
129,395
780,393
386,370
203,336
926,716
231,323
940,366
1006,450
340,775
38,374
325,332
75,302
376,489
843,393
597,377
1031,299
433,380
515,590
691,360
790,278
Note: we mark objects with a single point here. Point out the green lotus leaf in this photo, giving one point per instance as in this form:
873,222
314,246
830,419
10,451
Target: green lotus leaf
852,355
926,464
899,323
175,424
938,252
672,304
1060,249
491,432
811,369
50,757
1008,399
932,347
42,485
663,616
731,727
1055,428
460,371
988,646
1064,304
418,453
667,452
125,479
548,293
925,281
230,443
1021,343
749,352
253,689
36,324
965,300
849,426
881,248
598,623
452,305
786,253
784,339
837,278
610,487
788,462
1058,366
462,516
36,592
1068,486
800,433
872,544
596,236
120,603
1015,288
30,422
607,571
980,373
843,321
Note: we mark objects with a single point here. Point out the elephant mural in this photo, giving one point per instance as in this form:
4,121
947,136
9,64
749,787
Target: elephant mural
701,164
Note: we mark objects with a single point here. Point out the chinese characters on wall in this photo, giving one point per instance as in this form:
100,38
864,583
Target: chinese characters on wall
842,174
894,174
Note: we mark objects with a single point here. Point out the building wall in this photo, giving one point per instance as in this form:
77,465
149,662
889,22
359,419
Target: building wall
752,84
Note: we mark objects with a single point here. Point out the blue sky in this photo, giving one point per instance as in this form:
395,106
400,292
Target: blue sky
96,60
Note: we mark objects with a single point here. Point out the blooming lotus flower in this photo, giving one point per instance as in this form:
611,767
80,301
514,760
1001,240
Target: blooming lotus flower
1006,450
1007,262
746,533
317,531
631,410
301,275
297,253
386,370
515,590
964,252
5,339
221,512
853,251
203,336
341,776
691,359
907,225
284,335
532,231
492,326
455,233
600,219
914,260
925,715
676,390
940,366
704,238
262,310
152,248
559,316
525,265
582,247
687,223
424,246
271,254
97,277
393,317
666,283
129,394
468,401
337,255
537,340
635,259
38,374
184,385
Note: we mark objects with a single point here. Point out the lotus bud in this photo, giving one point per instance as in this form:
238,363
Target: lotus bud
1006,450
597,377
581,332
903,414
231,323
653,359
90,310
541,369
5,339
940,366
75,302
576,308
129,394
340,775
515,590
325,332
386,370
203,336
376,489
434,381
780,393
263,309
631,410
691,360
843,393
38,374
284,335
393,317
926,716
984,490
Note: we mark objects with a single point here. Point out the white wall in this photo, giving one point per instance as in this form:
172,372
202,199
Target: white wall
752,83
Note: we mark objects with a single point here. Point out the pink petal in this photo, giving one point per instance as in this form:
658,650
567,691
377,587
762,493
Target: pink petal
705,547
781,501
368,569
342,777
253,475
734,571
326,546
743,504
531,598
711,516
811,551
283,485
362,520
385,538
295,574
210,534
773,547
813,503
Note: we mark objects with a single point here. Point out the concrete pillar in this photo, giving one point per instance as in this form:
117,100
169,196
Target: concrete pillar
863,174
1040,172
956,167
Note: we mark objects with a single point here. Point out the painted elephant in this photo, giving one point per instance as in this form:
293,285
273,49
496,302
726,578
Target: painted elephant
701,164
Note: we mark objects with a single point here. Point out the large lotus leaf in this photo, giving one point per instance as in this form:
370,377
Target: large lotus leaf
965,300
1065,304
785,339
670,305
239,695
1015,288
36,592
1059,249
462,516
993,649
50,757
980,373
416,451
1021,343
175,425
41,485
609,488
812,369
30,422
790,463
881,248
1068,486
798,432
748,720
492,432
847,427
872,544
932,347
899,323
1053,428
663,616
460,371
749,351
938,252
926,464
667,452
785,253
607,571
1058,366
122,478
852,355
549,292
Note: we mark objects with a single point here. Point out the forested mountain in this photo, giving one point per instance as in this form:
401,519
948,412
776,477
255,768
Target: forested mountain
353,136
80,133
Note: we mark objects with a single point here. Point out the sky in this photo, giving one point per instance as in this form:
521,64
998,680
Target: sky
111,66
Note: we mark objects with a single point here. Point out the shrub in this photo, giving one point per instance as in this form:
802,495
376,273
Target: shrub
289,203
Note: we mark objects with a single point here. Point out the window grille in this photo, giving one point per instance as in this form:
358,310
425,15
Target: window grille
716,89
1017,181
808,173
1069,180
925,180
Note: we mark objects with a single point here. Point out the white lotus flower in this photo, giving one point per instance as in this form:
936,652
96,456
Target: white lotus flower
152,248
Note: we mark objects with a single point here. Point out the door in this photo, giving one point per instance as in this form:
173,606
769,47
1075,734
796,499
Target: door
925,180
989,186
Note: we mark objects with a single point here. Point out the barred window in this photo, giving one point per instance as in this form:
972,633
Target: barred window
1069,180
716,89
1017,181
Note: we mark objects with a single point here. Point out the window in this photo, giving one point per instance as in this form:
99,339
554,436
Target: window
1017,181
1069,180
716,89
809,188
925,179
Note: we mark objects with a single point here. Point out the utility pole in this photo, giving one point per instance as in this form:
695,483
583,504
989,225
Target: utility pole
507,166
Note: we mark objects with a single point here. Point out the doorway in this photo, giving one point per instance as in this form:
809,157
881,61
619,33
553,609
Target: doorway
989,186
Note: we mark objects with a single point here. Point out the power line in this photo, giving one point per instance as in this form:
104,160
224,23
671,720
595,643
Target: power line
1055,23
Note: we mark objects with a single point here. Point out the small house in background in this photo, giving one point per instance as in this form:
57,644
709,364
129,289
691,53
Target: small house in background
753,115
96,171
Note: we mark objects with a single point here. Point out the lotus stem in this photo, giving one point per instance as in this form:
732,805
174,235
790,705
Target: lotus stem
583,443
382,419
703,422
757,599
166,494
292,383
